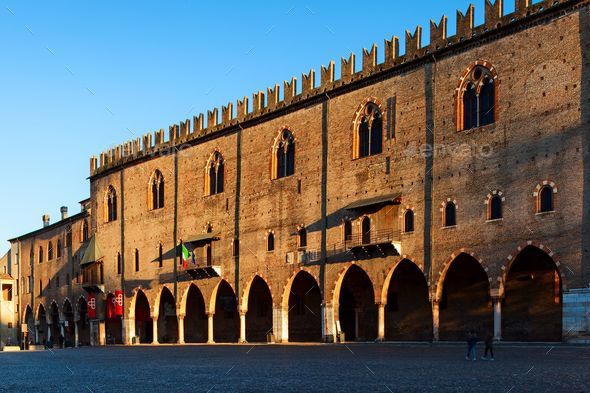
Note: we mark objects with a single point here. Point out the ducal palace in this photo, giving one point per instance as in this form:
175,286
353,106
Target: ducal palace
406,197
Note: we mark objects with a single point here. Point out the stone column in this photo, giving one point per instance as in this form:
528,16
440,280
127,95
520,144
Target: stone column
181,329
76,335
62,332
330,327
210,331
36,333
497,302
243,327
155,330
91,333
277,323
49,332
102,333
128,330
381,329
435,321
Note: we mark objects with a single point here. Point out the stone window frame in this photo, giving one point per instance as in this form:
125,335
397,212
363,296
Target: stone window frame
84,231
402,217
110,202
270,233
461,88
488,205
443,213
537,196
156,186
355,127
217,160
274,161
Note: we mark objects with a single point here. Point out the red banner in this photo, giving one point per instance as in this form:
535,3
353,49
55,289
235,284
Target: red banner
118,300
91,306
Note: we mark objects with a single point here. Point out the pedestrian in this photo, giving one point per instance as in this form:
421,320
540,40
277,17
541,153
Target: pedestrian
489,347
471,345
468,345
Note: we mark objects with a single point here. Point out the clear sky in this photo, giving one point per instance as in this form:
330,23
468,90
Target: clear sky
79,77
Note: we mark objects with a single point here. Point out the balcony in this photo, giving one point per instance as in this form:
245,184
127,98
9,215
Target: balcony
203,268
92,277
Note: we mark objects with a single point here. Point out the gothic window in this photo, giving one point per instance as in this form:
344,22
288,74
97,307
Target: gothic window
59,248
270,242
160,256
283,160
366,230
495,208
214,175
156,191
450,215
40,254
119,264
50,251
347,230
302,237
545,203
85,231
476,98
136,260
111,205
409,221
368,132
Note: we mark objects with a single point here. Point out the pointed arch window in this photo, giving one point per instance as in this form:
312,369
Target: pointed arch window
111,205
156,191
302,237
545,203
476,98
41,254
450,215
495,208
409,221
50,251
160,256
119,263
270,241
215,174
283,160
347,230
59,248
368,131
366,230
136,260
85,231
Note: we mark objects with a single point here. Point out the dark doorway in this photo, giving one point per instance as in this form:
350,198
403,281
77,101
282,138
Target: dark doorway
167,319
113,323
226,322
465,303
55,330
42,317
305,309
259,316
195,321
408,313
68,311
144,328
357,311
532,309
83,324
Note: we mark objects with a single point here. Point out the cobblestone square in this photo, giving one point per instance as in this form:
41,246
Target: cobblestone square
314,368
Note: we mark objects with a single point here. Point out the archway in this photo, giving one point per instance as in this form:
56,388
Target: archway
195,320
305,309
143,321
55,330
226,322
259,316
465,302
167,319
68,313
408,313
532,309
42,328
83,324
30,322
357,311
113,322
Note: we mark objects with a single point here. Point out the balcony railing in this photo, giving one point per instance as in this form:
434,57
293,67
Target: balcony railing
204,267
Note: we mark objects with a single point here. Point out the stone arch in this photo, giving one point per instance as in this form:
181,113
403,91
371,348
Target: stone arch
55,321
440,276
157,300
224,306
355,304
42,327
246,291
82,321
301,307
463,297
531,290
113,322
141,315
165,310
194,310
257,305
357,121
69,319
29,320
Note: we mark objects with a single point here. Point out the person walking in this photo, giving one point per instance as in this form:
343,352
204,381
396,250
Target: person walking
471,345
489,347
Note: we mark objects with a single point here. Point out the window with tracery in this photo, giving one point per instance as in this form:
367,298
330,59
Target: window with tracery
111,205
283,160
156,191
476,101
368,132
214,175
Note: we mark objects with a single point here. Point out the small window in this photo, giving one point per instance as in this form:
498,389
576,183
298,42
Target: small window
50,251
85,231
235,247
450,216
368,131
41,254
32,257
409,221
160,256
284,155
347,231
366,230
59,249
302,235
495,208
7,292
270,242
119,264
214,177
111,205
69,238
136,260
156,191
546,199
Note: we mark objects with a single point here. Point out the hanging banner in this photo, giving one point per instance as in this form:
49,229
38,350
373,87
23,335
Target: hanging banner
118,300
91,306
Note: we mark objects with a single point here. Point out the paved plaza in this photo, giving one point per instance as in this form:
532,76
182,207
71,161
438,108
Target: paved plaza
328,368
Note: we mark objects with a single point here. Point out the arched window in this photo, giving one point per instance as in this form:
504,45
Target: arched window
270,242
119,264
85,231
409,221
111,205
476,98
214,175
302,237
366,230
283,155
160,256
346,230
41,254
156,191
59,248
368,137
50,251
495,208
136,260
545,203
450,215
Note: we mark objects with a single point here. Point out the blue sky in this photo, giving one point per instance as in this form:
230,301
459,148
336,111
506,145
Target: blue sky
78,77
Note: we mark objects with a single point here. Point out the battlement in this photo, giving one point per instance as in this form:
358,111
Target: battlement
266,102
